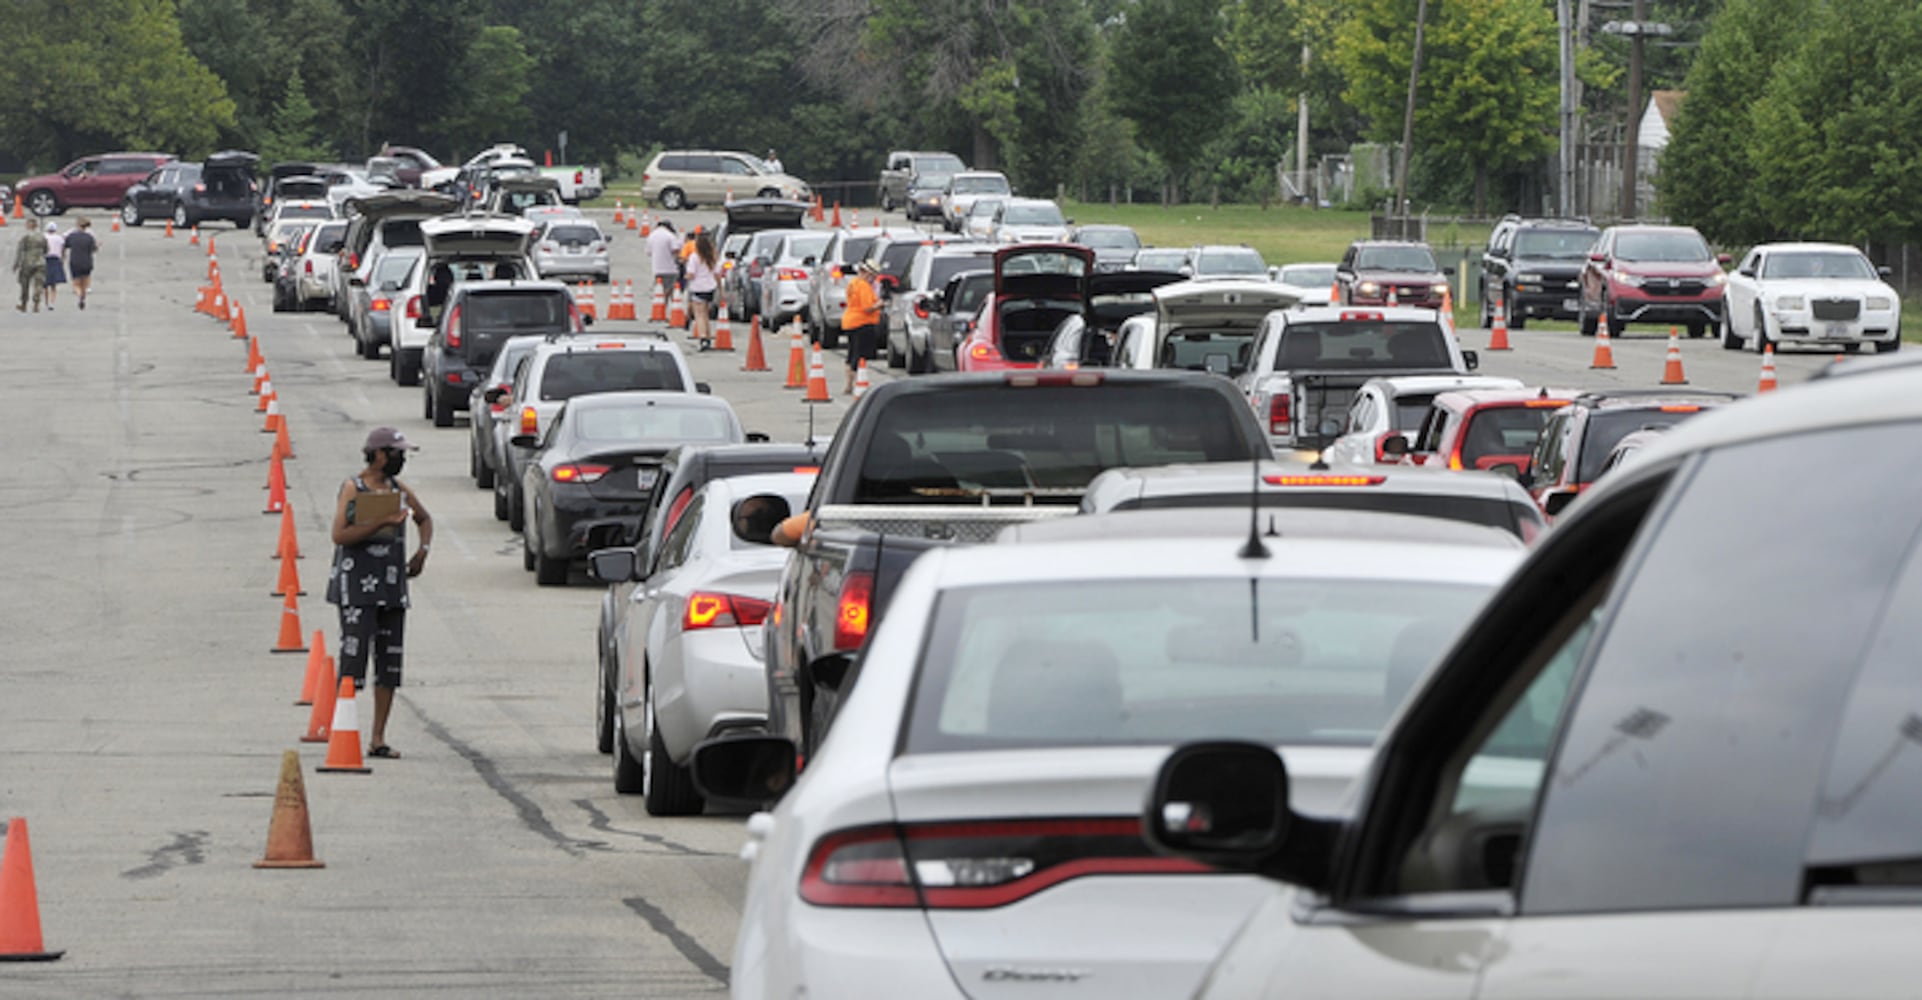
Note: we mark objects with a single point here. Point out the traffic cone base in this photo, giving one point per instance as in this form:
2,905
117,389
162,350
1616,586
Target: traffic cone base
723,333
290,837
289,641
1672,367
817,379
343,738
861,383
19,903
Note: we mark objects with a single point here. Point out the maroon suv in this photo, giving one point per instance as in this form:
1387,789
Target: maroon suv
1389,272
1652,274
90,182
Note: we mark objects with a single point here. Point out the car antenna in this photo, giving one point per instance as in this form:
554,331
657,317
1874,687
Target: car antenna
810,440
1254,549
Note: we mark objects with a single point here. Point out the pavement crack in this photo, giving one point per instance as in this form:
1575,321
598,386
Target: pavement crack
682,941
530,813
598,820
187,848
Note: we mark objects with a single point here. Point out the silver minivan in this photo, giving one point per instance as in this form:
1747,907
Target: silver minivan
684,178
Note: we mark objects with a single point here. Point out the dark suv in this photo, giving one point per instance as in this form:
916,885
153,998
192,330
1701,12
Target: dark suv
1577,438
91,182
478,318
1534,268
1652,274
1380,272
221,188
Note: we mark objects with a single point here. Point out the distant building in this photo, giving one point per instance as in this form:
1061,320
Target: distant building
1651,137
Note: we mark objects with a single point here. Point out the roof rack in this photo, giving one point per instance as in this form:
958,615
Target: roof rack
1603,394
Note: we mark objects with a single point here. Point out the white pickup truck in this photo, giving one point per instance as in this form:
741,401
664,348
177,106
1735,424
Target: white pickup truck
1307,363
578,183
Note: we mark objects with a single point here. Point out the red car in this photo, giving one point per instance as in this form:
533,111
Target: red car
1391,272
1483,428
90,182
1577,439
1036,286
1652,274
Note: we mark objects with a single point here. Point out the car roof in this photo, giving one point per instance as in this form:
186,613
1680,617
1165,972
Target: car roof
590,342
1391,243
515,286
1398,385
763,482
1524,396
1649,227
1548,223
1828,247
1235,478
961,248
1339,314
1274,522
980,173
1636,399
630,397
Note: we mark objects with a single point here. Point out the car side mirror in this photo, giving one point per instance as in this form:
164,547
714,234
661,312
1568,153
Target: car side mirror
1394,445
1471,360
1722,259
1220,803
1885,271
1747,272
830,670
1070,222
744,768
1557,501
358,282
494,394
1598,258
807,262
703,388
524,441
1449,270
616,565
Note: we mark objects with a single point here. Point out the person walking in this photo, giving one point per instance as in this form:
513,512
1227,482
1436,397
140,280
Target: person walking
371,569
661,246
79,249
30,266
861,319
56,271
772,162
701,286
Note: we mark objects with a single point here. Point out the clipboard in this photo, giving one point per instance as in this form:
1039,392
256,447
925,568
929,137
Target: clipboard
370,507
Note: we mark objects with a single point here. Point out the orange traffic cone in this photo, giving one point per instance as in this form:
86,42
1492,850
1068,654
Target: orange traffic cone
254,358
170,229
283,445
17,205
677,310
290,837
1604,355
837,216
584,296
218,307
273,414
644,227
288,547
817,379
756,356
1672,368
619,216
3,220
343,737
854,219
210,247
723,333
289,640
213,268
19,903
861,379
240,323
265,390
622,306
1498,329
193,239
657,312
116,223
276,487
317,675
1767,383
289,582
322,717
1393,299
797,362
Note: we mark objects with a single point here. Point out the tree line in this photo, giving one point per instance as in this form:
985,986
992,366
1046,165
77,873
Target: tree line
1175,99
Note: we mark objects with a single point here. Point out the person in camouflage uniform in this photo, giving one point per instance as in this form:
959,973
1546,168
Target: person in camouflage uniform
30,264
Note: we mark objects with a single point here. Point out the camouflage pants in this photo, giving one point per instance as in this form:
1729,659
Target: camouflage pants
33,281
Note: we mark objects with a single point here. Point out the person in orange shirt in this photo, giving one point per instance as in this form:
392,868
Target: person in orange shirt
861,318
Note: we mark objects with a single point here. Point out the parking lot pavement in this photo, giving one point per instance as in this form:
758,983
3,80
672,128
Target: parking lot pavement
1562,357
142,717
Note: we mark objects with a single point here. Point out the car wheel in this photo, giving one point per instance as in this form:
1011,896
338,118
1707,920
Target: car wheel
1586,320
409,369
673,200
603,706
501,510
527,551
473,457
1730,342
1516,320
443,412
549,571
130,213
918,364
887,202
281,304
483,473
830,338
1697,331
629,779
516,515
43,203
1762,341
667,788
1887,346
1616,326
895,359
180,215
393,366
1486,315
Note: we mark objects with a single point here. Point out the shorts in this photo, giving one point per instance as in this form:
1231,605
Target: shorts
374,629
707,296
861,343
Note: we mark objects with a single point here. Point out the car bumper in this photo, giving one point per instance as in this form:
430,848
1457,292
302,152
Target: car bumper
579,524
1628,306
1870,326
837,952
316,287
1546,301
557,264
455,386
723,686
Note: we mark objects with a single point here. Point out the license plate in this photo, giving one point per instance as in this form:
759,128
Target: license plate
644,477
1571,305
1838,330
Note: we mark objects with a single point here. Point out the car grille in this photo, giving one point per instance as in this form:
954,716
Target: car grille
1835,309
1673,286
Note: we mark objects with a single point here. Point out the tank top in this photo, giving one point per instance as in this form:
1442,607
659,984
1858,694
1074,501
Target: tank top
372,573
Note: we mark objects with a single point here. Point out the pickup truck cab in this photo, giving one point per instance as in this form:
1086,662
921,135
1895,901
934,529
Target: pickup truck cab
919,463
921,172
1307,364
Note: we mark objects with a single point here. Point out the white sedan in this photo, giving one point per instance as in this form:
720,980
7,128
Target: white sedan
971,825
1822,294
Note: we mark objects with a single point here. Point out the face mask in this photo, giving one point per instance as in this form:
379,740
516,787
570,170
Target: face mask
395,462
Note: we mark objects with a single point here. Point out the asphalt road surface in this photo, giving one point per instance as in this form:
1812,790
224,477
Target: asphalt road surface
143,718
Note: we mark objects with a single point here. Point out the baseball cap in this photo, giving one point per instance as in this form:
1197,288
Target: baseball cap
388,437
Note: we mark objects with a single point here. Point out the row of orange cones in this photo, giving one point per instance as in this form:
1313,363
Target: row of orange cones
1672,373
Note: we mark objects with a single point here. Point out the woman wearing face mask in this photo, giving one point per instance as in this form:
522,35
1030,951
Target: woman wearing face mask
371,569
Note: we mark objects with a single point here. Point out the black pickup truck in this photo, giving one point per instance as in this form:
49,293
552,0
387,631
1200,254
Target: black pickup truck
951,460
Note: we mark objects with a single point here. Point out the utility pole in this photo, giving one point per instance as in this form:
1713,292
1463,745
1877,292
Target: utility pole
1630,138
1408,117
1565,187
1301,134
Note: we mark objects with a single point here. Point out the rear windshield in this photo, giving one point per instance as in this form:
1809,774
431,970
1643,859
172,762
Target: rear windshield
1411,410
1363,344
654,422
940,269
1235,260
1120,661
1488,512
1606,429
964,444
1109,239
968,296
980,185
802,247
395,269
331,238
854,248
1308,277
301,189
896,258
573,235
516,312
1161,260
401,233
580,372
1501,435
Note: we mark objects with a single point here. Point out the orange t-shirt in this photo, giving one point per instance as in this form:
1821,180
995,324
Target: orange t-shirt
863,308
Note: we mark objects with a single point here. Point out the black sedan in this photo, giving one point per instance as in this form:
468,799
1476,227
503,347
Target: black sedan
588,484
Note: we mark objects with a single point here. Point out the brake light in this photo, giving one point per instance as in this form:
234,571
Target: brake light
530,420
413,307
1382,457
577,177
1545,404
308,266
453,327
574,316
1280,480
806,470
711,610
1455,458
974,865
610,345
851,616
1681,409
353,262
836,273
1361,317
380,305
1280,408
1028,380
980,351
453,378
573,472
790,274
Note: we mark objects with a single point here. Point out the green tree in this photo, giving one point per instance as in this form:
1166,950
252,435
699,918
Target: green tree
294,133
491,107
1173,81
1488,90
80,77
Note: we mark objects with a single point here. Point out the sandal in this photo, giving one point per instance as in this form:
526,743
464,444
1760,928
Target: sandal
384,750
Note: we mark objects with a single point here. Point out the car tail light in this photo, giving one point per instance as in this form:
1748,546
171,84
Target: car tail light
575,317
1681,409
711,610
980,351
806,470
1545,404
1280,409
920,309
1279,480
200,189
836,273
453,378
851,614
530,420
577,177
644,177
974,865
1455,457
353,262
413,308
550,247
381,305
501,403
1028,380
596,247
308,266
790,274
754,269
572,472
